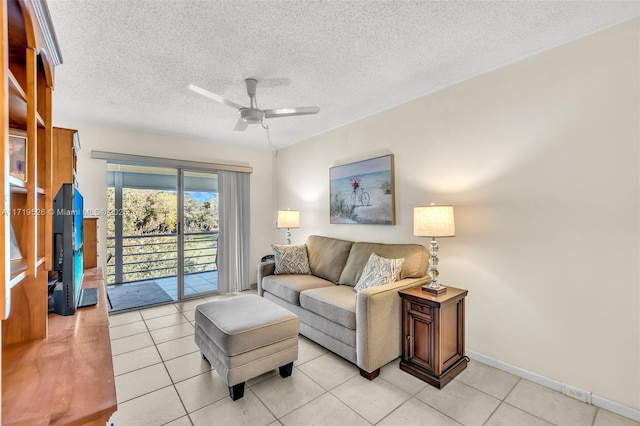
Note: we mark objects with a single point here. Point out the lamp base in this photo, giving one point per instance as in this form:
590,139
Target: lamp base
437,291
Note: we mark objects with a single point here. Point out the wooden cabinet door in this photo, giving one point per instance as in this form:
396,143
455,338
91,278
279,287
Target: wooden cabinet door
420,335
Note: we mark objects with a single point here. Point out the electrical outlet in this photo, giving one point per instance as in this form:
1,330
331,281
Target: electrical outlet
577,393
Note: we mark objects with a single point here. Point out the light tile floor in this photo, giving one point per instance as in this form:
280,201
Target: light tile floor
161,379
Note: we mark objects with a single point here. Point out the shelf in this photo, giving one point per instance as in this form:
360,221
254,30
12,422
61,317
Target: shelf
17,103
18,271
15,89
16,183
20,186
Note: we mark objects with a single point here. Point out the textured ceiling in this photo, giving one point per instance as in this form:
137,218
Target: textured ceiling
128,63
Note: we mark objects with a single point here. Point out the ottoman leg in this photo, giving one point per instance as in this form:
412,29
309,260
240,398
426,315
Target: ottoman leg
285,370
236,391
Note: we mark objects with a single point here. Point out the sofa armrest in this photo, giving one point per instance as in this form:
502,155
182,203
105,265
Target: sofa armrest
379,323
264,269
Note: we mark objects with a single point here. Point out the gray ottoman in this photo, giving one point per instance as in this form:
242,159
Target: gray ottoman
245,336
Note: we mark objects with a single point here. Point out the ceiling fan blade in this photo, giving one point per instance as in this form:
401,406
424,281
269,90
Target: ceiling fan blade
288,112
240,125
213,96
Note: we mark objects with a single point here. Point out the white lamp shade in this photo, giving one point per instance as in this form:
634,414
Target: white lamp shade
288,219
433,221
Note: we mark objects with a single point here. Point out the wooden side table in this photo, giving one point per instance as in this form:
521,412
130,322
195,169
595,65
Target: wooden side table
433,330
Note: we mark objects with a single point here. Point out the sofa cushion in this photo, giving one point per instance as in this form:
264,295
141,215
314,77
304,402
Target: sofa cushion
336,303
416,260
379,271
291,259
327,256
288,287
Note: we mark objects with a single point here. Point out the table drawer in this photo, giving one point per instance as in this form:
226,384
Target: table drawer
420,309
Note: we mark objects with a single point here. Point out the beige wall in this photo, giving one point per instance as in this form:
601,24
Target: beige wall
92,173
541,161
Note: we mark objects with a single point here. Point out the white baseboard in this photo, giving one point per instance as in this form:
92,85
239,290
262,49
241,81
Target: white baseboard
596,400
615,407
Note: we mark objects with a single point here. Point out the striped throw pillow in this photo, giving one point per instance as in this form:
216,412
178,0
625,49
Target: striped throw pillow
291,259
379,271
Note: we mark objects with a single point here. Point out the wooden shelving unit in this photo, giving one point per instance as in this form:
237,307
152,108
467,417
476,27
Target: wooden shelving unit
90,242
66,144
29,55
55,369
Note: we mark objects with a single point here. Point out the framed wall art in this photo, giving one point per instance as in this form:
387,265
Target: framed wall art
363,192
17,155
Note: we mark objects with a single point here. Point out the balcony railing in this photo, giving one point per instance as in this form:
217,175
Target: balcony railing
156,255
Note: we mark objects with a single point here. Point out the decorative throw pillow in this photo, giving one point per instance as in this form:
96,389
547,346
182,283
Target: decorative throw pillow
291,259
379,271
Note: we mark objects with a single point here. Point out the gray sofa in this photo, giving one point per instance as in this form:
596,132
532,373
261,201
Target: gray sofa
364,327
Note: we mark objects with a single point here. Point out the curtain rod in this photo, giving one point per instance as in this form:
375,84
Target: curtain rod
169,162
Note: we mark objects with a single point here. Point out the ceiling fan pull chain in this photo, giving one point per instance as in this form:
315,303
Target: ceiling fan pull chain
271,145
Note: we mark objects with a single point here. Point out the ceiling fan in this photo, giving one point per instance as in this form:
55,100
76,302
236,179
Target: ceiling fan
253,114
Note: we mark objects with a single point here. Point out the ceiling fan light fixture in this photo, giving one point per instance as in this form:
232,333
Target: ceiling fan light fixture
251,115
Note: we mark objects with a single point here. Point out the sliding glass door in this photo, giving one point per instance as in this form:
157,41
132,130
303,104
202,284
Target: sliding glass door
162,234
198,232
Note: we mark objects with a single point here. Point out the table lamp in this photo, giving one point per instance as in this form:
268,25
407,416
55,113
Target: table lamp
433,221
288,219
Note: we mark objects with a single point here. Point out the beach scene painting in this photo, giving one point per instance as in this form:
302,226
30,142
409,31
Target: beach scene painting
363,192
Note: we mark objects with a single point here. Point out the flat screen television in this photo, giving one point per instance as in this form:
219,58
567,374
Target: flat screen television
68,248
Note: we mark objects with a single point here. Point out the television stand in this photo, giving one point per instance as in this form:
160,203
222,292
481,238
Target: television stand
70,372
88,297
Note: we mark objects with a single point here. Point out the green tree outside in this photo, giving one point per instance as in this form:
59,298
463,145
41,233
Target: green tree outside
152,215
